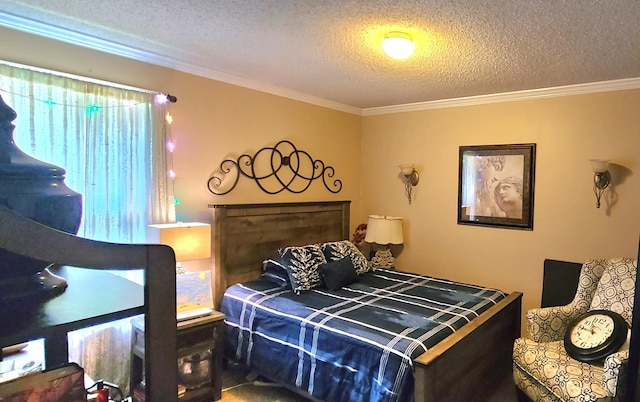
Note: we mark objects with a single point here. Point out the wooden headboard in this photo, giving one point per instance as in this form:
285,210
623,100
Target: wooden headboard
244,235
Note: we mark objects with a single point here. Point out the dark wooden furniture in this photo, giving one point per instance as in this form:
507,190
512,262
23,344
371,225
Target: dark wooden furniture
201,332
88,300
463,367
104,297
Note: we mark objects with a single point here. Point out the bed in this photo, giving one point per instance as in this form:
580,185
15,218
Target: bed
451,366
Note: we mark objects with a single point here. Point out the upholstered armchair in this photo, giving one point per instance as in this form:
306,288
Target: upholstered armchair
543,371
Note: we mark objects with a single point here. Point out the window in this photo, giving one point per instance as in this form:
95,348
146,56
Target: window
109,139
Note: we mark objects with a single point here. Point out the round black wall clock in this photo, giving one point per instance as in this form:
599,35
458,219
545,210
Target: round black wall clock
594,335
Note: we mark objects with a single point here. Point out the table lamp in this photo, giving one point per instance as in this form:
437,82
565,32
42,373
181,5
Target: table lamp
189,240
383,231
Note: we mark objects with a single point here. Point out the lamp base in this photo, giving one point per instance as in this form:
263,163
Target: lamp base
383,259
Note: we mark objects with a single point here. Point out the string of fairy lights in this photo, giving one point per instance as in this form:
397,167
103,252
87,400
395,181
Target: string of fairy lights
167,100
160,99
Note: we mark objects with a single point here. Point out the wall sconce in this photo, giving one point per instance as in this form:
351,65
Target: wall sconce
411,179
383,231
601,177
189,241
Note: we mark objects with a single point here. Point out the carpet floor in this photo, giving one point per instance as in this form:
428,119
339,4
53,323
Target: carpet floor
238,385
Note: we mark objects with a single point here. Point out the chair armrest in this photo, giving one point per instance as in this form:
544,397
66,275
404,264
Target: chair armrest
615,372
548,324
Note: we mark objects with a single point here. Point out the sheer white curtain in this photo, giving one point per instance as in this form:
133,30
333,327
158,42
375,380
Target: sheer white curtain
111,141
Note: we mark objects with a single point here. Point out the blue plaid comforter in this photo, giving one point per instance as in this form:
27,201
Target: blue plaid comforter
355,344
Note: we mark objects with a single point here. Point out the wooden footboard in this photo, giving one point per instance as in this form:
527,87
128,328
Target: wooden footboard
471,362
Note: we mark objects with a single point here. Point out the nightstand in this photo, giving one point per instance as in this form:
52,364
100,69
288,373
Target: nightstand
199,342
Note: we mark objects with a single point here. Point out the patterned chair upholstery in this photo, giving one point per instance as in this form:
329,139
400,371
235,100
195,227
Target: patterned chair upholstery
543,371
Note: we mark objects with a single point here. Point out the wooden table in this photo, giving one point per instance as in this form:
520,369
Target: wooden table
92,297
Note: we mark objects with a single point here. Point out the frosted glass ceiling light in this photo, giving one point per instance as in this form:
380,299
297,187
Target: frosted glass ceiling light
398,45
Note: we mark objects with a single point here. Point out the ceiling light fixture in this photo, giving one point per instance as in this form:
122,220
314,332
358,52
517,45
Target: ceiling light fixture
398,45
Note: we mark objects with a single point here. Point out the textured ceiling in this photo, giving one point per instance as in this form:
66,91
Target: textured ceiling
330,49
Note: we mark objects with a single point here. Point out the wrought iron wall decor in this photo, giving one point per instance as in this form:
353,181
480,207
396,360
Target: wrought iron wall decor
282,167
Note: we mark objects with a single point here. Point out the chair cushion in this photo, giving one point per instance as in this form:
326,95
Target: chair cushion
616,288
531,387
568,379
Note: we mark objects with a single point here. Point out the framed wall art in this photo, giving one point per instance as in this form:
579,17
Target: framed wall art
495,185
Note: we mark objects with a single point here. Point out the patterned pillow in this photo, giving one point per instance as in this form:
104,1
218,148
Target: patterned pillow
337,250
301,263
273,272
616,287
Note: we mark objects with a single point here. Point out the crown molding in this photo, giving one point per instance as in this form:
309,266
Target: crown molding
567,90
79,39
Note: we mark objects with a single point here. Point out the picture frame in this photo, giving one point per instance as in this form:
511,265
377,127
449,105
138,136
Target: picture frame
496,185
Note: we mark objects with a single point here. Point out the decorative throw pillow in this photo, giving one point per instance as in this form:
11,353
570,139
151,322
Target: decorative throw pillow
337,250
273,272
339,273
301,263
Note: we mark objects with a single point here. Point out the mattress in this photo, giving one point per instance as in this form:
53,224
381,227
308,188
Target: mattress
354,344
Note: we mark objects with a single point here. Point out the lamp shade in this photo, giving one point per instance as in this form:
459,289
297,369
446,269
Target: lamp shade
189,241
384,230
599,165
406,169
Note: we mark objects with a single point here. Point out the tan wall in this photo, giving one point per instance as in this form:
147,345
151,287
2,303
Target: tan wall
567,226
213,121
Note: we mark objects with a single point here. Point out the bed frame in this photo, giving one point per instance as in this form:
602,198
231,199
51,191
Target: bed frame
463,367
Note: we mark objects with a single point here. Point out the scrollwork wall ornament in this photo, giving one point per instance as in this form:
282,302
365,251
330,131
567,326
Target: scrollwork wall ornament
283,167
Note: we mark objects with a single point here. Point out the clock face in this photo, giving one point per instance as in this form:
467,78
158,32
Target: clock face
592,331
595,334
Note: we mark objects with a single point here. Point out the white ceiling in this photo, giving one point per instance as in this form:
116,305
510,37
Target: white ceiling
329,50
